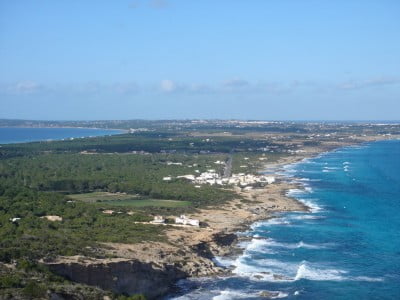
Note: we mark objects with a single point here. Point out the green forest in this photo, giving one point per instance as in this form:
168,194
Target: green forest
77,180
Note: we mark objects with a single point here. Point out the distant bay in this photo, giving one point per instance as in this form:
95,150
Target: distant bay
9,135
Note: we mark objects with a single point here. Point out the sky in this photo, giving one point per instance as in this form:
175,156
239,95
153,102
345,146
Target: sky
208,59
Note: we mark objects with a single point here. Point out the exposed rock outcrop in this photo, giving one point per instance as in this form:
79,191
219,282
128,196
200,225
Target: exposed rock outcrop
150,269
123,276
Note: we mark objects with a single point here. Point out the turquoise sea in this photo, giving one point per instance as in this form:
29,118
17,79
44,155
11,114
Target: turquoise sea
348,247
10,135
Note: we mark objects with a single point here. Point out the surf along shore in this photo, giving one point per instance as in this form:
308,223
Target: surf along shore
152,268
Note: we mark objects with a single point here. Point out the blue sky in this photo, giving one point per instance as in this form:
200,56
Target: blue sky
163,59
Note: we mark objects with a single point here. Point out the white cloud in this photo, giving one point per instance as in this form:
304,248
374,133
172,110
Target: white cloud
168,86
25,87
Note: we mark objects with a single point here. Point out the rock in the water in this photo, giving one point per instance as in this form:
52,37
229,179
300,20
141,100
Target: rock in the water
268,294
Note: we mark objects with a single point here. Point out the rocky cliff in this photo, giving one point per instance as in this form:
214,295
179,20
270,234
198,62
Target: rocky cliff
123,277
150,269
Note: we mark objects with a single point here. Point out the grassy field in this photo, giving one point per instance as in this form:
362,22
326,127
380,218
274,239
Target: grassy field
101,196
126,200
148,203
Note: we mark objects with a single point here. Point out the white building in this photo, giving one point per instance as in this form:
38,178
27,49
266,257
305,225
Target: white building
158,220
188,177
186,221
268,179
169,163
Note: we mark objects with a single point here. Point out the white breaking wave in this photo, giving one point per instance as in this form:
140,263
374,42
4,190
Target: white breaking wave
262,245
313,206
304,271
308,189
231,294
269,222
308,179
306,217
274,270
294,192
227,295
258,245
297,193
244,244
224,262
263,269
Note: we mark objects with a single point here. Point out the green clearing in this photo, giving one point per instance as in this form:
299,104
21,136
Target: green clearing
148,202
101,196
126,200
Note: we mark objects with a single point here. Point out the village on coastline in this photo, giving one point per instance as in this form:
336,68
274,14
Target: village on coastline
241,181
212,177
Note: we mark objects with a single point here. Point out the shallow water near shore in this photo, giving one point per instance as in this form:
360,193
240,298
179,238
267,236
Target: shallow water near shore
347,247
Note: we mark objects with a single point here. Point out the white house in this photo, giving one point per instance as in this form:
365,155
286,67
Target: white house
158,220
188,177
269,179
186,221
169,163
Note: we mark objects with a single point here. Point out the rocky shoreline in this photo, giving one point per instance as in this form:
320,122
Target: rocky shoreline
152,268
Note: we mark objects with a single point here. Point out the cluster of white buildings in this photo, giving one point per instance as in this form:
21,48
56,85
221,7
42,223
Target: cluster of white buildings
181,220
244,180
213,178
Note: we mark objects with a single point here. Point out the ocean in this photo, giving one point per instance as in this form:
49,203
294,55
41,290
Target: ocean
348,247
9,135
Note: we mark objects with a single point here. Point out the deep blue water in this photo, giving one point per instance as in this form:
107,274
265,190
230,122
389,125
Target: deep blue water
10,135
347,248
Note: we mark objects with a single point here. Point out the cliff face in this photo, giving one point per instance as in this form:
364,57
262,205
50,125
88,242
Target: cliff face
122,277
150,269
